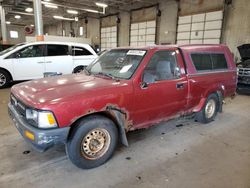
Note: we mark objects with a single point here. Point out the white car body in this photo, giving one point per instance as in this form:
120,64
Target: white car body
33,60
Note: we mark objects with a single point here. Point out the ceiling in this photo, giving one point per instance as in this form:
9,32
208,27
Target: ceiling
14,7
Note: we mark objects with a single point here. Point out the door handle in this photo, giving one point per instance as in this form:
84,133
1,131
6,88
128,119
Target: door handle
179,85
40,62
48,62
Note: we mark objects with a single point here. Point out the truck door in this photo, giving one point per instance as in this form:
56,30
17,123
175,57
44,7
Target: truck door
163,90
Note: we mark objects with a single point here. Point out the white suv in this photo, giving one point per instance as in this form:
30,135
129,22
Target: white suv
35,60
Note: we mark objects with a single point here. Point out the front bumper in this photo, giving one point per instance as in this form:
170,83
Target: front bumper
43,138
243,88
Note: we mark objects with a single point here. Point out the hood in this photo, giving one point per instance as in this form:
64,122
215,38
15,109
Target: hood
244,51
43,92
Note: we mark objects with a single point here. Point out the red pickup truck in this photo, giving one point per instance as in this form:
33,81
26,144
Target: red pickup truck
123,90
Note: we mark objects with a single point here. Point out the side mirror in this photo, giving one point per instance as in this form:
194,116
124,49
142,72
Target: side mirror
144,85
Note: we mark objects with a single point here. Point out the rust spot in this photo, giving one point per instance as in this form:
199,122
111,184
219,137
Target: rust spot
91,111
128,124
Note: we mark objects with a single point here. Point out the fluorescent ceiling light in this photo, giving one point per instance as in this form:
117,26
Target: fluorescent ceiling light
63,18
91,10
50,5
46,0
101,5
29,9
17,16
8,22
31,25
72,11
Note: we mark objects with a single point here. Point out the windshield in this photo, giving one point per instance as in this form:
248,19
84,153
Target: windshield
118,63
10,49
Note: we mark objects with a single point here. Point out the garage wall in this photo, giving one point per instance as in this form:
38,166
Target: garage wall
109,32
21,34
57,29
167,22
123,37
143,27
237,25
91,29
199,6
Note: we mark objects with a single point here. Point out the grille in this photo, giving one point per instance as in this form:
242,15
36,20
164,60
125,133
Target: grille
244,72
18,105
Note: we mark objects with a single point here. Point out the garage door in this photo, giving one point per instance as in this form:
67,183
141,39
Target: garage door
202,28
142,33
108,37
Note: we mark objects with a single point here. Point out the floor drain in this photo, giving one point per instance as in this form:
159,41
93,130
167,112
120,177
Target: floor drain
26,152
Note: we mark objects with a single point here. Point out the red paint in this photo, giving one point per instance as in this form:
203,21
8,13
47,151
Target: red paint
73,96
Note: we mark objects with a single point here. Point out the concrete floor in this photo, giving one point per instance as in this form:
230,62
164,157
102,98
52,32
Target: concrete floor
190,156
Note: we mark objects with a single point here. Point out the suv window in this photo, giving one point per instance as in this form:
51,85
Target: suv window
57,50
209,61
162,66
79,51
31,51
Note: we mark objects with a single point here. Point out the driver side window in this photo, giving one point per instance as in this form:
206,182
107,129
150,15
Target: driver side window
162,66
31,51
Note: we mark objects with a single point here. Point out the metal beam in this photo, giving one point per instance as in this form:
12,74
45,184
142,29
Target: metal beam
38,19
3,25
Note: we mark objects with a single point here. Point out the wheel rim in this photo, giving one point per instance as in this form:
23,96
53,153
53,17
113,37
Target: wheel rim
2,79
210,108
95,144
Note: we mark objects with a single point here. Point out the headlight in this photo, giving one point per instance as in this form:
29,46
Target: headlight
42,119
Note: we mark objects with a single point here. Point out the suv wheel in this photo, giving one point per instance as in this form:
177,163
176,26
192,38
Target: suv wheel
209,111
4,79
92,142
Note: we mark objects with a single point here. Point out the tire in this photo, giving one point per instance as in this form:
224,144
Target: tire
209,111
79,69
5,79
96,134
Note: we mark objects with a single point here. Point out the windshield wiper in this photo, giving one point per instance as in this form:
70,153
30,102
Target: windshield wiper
106,74
87,71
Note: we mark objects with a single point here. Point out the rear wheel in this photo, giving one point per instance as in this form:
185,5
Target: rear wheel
92,142
209,111
5,79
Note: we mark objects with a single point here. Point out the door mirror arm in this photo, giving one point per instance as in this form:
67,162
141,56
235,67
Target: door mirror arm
144,85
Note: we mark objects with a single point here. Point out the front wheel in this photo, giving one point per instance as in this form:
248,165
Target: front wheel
92,142
4,79
209,111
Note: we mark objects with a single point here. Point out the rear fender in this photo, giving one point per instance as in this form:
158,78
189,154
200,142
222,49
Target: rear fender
219,90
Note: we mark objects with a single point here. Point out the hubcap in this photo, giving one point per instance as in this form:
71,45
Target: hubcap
210,108
2,79
95,144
